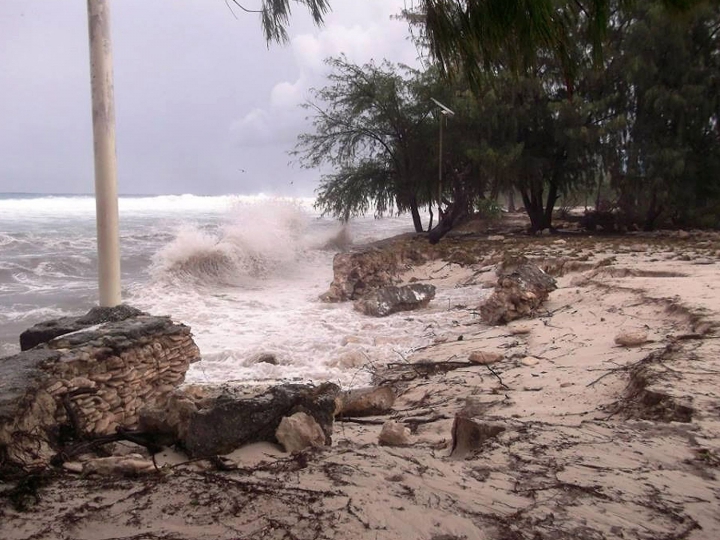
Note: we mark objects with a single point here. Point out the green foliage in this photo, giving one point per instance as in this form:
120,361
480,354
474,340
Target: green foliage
488,209
275,15
535,115
373,125
664,155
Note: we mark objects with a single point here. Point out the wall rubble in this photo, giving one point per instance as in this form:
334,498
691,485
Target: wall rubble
93,379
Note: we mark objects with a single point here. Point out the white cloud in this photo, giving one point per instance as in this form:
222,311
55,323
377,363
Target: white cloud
287,95
362,31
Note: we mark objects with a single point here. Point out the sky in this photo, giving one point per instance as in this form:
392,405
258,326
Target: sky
203,105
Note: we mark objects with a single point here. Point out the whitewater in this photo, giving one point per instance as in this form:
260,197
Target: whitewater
244,272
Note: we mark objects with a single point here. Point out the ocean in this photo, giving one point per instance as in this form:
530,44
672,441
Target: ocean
244,272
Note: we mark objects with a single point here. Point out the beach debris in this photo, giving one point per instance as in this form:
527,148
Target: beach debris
631,338
388,300
485,357
394,434
521,289
469,435
366,401
231,420
298,432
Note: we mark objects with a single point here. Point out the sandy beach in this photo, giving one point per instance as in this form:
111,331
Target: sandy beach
579,437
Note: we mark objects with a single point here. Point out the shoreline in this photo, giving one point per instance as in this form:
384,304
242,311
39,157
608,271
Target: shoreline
584,438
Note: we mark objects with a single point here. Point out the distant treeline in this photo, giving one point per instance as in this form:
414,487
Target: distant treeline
626,115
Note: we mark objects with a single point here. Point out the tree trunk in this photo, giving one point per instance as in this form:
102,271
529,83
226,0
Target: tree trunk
511,200
550,206
534,209
417,221
653,212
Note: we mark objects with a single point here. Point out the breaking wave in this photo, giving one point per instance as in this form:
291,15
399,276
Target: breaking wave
257,241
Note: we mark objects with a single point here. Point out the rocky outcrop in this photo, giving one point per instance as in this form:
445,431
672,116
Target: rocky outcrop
521,289
87,382
357,272
230,421
388,300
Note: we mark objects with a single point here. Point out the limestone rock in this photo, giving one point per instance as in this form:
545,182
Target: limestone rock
230,421
130,465
631,338
101,373
469,435
359,271
394,434
263,358
298,432
388,300
45,331
168,423
521,289
519,330
366,401
485,357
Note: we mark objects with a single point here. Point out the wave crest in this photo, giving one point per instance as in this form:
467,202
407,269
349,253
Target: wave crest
257,241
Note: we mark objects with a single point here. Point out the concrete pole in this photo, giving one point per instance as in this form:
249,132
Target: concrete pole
440,151
103,112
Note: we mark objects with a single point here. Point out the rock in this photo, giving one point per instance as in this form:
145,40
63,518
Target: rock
683,235
496,238
485,357
168,423
529,361
102,373
469,435
388,300
73,466
359,271
45,331
263,358
394,434
366,401
130,465
521,289
519,330
298,432
230,421
631,338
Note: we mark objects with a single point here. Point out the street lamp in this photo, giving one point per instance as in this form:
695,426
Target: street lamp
444,113
103,113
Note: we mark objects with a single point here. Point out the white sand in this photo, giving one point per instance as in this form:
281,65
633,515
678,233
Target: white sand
600,441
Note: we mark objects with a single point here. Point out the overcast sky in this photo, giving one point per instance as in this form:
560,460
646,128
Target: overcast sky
199,96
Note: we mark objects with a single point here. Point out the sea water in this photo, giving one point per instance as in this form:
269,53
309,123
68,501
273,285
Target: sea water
244,272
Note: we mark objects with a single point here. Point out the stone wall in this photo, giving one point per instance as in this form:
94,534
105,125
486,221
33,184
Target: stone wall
92,380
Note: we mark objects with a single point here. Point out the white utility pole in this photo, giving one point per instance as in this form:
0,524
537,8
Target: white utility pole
444,113
103,112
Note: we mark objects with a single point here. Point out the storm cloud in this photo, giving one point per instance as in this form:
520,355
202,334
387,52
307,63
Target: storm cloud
203,105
